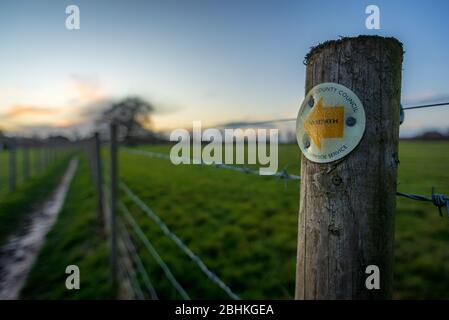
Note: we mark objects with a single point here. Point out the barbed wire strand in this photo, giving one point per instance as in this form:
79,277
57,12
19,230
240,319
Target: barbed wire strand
137,260
212,276
243,169
255,123
427,106
153,251
439,200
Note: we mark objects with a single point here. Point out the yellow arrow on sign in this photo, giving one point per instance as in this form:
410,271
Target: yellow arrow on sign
325,122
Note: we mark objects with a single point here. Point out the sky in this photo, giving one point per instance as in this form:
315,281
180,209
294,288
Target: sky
213,61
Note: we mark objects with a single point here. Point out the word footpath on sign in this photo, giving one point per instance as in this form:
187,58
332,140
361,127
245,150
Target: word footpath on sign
330,123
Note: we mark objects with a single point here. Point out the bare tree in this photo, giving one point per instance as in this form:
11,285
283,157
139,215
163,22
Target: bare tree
130,114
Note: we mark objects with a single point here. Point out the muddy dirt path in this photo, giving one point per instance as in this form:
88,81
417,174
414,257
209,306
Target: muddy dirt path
19,252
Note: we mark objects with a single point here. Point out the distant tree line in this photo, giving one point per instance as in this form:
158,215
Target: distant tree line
431,135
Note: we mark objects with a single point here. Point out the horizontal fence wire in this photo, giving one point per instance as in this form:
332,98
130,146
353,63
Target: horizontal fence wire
153,252
212,276
427,106
264,122
255,123
243,169
439,200
137,260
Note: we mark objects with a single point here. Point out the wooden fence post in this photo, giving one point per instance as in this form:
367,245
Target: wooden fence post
50,153
346,215
26,162
35,159
46,157
113,201
99,176
41,158
12,167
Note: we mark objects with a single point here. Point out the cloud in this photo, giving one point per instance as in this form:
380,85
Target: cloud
86,89
82,99
23,111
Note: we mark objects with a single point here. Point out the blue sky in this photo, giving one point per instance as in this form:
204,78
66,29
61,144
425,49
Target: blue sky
214,61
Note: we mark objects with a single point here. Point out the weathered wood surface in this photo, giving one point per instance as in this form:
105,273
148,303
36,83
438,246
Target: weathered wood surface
346,216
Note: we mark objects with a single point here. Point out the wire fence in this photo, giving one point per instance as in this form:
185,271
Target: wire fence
138,231
124,228
265,122
284,174
438,200
181,245
22,159
131,248
133,264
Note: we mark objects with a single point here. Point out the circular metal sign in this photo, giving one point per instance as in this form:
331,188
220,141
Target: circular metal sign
330,123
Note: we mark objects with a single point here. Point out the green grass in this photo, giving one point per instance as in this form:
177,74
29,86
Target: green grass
223,218
422,236
15,205
76,239
245,227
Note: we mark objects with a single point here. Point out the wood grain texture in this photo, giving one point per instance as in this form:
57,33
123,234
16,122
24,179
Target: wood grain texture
346,215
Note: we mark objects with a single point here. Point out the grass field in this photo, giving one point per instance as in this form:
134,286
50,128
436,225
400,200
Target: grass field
245,227
15,205
75,239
